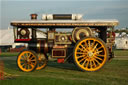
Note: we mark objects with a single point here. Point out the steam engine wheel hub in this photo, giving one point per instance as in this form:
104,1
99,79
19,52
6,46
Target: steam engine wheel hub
90,54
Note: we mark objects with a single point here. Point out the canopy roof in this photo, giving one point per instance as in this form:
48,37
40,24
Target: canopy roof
64,23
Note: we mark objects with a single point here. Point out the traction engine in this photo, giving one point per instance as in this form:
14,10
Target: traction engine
86,44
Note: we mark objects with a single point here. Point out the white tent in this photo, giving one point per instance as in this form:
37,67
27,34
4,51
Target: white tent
121,42
7,37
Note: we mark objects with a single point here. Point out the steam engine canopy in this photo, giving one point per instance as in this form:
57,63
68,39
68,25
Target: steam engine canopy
61,16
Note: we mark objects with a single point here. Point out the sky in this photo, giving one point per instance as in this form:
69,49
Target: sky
91,9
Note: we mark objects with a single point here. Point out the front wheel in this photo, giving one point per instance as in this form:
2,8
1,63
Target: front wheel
90,54
27,60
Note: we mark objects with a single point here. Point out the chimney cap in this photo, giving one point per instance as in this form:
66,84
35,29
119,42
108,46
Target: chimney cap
33,16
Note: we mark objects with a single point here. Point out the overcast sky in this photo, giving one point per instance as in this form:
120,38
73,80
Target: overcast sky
63,0
92,9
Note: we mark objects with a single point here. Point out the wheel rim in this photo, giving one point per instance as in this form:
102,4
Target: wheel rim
42,61
27,61
90,54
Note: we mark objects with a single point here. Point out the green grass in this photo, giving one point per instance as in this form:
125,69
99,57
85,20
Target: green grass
121,52
8,54
113,73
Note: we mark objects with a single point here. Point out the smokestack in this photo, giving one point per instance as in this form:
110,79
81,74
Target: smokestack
33,16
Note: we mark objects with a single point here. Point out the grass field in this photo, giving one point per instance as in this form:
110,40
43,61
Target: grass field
113,73
8,54
121,52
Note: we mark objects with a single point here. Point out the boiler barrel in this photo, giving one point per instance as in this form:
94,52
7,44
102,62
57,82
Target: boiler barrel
40,46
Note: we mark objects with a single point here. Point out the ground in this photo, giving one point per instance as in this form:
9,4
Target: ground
113,73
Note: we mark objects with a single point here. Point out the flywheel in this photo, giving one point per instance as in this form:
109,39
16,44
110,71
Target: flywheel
80,32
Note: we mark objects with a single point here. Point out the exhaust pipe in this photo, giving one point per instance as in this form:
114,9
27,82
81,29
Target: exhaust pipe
33,16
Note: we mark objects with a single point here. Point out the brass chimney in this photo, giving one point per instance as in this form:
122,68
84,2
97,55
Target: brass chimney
33,16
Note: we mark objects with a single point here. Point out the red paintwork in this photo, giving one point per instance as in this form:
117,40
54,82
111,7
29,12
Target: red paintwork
22,39
60,60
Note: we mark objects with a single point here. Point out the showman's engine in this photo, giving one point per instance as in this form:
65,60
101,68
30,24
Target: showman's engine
86,44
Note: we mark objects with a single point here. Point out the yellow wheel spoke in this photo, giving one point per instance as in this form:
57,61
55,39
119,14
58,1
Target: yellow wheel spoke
85,50
99,48
90,64
84,62
100,55
81,56
24,57
97,61
28,55
94,47
32,65
97,52
93,44
33,60
89,45
87,63
94,63
28,66
82,46
32,57
98,58
81,53
80,49
21,61
86,44
82,59
23,64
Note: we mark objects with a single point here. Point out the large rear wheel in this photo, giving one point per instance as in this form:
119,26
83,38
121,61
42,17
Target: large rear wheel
27,60
90,54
